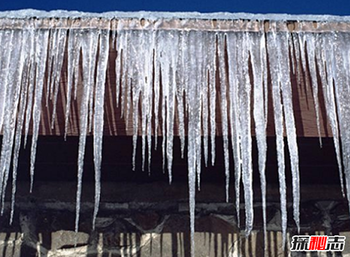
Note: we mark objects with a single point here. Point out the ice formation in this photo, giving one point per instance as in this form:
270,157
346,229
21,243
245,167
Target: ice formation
165,76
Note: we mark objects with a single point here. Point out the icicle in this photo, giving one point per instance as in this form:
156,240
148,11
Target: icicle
337,69
328,94
246,143
51,54
302,43
296,49
32,67
123,48
286,89
275,61
205,99
72,63
20,118
6,39
142,80
233,43
76,65
212,93
180,91
150,83
164,72
256,46
146,69
89,51
310,39
193,107
156,88
60,48
342,89
168,67
118,67
13,76
99,115
133,97
223,100
41,55
199,76
292,50
129,77
264,68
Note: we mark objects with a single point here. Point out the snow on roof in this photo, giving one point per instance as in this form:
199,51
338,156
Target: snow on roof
31,13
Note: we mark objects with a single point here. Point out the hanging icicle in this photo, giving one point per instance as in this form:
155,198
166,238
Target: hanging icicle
181,80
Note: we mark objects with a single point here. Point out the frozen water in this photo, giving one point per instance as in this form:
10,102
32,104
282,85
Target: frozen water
176,82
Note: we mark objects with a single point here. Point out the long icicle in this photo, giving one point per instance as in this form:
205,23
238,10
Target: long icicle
40,63
99,115
89,51
276,79
259,116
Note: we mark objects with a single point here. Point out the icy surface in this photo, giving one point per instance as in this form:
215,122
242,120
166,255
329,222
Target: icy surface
176,83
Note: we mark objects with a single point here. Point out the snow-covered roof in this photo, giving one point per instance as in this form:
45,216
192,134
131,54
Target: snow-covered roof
30,13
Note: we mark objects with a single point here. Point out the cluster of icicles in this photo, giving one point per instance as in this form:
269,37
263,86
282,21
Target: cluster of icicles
176,74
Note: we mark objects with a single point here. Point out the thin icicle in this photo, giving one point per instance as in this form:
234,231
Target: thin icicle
259,117
41,55
194,132
32,67
304,67
246,140
286,89
233,41
275,61
89,51
200,53
296,49
51,56
156,89
310,39
133,98
148,92
212,93
73,61
322,59
172,55
56,74
223,99
204,97
180,91
99,115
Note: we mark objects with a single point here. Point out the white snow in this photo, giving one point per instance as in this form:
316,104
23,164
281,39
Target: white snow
30,13
172,81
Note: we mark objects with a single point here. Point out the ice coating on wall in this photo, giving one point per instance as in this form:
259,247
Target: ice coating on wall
170,78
